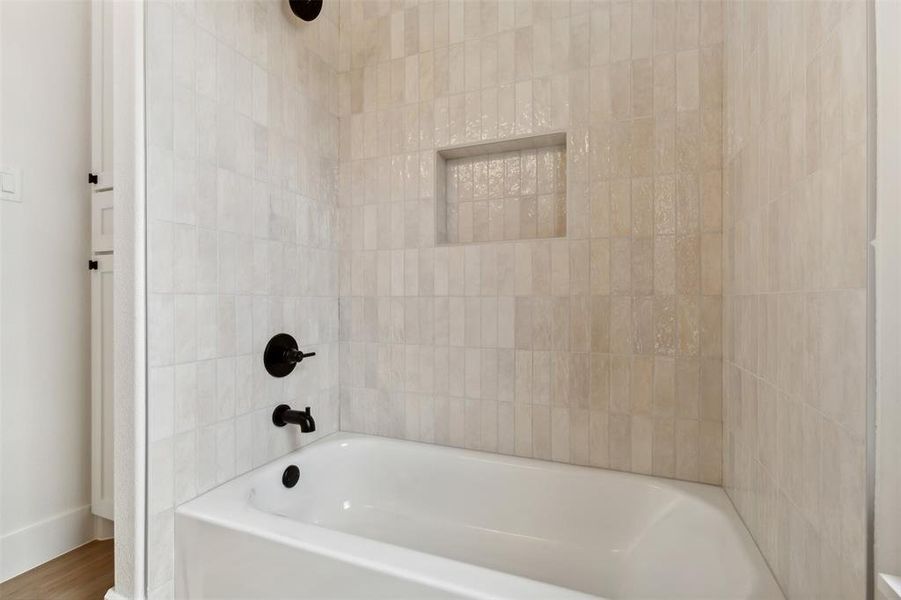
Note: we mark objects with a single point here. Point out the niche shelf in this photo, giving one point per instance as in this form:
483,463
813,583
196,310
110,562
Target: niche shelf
513,189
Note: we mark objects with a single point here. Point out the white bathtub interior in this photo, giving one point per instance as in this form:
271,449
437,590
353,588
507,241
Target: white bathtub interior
466,516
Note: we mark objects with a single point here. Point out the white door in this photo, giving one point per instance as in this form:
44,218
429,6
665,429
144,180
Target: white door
102,94
102,387
101,178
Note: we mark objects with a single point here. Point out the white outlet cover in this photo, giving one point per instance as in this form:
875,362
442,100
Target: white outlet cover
10,184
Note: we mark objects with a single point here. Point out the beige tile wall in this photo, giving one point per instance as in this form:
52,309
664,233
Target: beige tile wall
242,135
795,278
602,347
887,460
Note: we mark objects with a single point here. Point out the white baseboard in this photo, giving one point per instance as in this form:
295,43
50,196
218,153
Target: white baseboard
103,528
112,594
35,544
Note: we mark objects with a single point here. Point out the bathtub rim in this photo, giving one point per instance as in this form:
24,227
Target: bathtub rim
229,505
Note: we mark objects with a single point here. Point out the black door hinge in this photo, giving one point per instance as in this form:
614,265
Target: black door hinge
92,178
92,265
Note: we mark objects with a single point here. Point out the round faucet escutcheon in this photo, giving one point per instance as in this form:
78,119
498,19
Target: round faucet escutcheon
282,355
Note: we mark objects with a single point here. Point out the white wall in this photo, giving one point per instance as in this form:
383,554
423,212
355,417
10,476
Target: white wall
45,402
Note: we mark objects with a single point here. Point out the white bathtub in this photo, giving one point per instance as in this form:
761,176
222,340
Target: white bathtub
374,517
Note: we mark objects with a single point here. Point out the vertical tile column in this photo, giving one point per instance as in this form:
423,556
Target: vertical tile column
796,288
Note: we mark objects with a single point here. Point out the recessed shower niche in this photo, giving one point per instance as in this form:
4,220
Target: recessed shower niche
514,189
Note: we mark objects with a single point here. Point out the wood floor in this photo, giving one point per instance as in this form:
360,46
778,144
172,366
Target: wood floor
85,573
